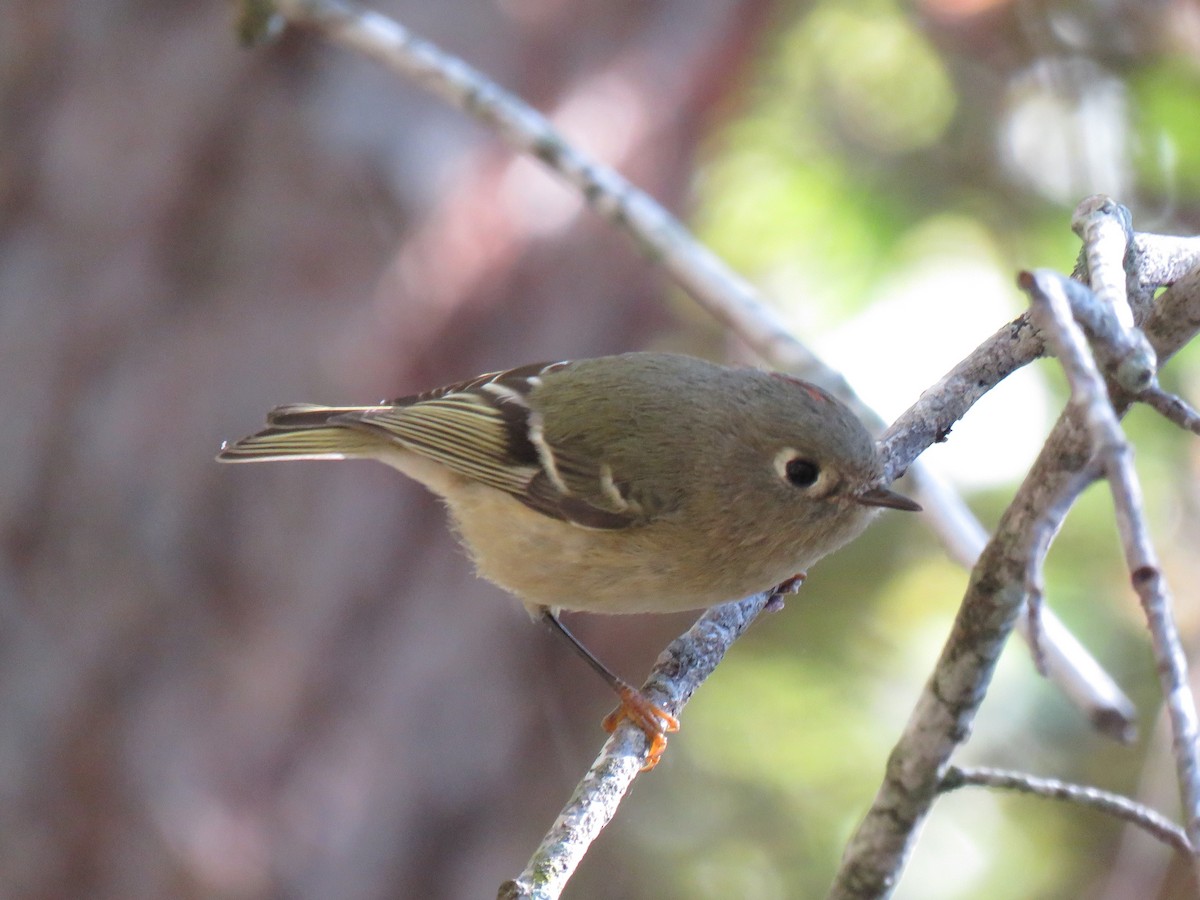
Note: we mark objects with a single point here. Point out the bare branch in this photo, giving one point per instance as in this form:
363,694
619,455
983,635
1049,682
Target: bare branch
1076,673
1160,260
1174,409
679,671
1058,654
1053,305
943,714
1065,661
929,420
719,290
1103,224
1043,536
1112,804
946,708
1103,306
957,687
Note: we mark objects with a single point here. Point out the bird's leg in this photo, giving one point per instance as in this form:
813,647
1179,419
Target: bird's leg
635,706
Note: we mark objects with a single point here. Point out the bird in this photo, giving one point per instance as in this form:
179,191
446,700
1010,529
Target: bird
638,482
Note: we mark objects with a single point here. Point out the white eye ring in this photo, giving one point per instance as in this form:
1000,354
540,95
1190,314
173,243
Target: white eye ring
796,468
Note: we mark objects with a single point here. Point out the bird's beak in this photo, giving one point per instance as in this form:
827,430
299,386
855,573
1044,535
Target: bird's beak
881,496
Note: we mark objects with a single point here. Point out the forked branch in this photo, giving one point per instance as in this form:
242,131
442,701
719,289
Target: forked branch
998,588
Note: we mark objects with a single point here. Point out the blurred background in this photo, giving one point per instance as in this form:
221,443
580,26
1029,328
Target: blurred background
284,681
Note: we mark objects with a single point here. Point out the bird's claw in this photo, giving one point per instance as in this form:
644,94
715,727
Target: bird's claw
654,721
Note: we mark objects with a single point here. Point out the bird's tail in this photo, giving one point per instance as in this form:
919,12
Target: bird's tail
305,431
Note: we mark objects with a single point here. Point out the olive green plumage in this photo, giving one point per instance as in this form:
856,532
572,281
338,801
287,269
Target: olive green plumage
636,483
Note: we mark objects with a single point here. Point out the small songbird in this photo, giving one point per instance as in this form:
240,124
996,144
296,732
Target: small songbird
645,482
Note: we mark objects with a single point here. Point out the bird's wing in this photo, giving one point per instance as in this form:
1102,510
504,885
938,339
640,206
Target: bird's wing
485,429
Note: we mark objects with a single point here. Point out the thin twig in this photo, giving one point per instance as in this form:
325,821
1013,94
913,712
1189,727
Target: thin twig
1062,658
1043,536
1103,305
1088,391
1162,260
727,296
1174,409
1154,823
1066,662
679,671
940,406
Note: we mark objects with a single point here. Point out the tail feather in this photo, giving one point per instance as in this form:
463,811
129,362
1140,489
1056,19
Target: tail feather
310,415
303,431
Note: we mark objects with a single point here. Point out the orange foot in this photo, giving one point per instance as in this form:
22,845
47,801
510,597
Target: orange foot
655,722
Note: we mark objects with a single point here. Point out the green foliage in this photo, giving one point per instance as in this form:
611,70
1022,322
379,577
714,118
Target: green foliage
782,195
1167,96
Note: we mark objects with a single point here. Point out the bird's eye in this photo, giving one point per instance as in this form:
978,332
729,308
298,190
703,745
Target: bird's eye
802,472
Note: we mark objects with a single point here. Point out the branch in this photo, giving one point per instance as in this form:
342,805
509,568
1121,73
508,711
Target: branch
681,669
1043,535
728,297
1172,408
1164,259
1054,305
1116,805
929,420
943,714
946,708
721,292
1057,653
